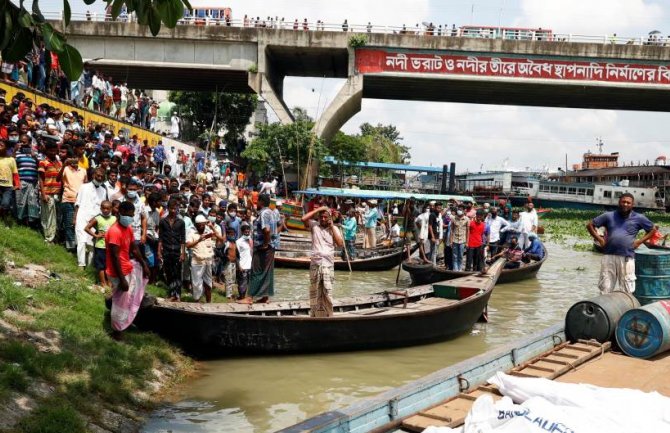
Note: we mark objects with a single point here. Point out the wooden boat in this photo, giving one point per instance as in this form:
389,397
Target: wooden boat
425,274
387,319
444,398
366,260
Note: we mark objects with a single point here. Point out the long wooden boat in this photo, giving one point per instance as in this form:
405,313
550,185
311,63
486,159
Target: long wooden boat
366,260
395,318
444,398
421,273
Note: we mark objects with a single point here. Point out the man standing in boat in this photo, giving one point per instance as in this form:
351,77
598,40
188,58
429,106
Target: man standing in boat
322,267
617,267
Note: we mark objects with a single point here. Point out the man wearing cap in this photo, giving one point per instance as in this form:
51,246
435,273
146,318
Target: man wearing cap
322,266
370,220
201,243
349,226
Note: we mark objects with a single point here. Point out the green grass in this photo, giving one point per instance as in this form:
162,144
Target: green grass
54,416
91,367
566,226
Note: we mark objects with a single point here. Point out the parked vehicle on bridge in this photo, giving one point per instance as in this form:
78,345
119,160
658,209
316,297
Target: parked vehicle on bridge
512,33
206,12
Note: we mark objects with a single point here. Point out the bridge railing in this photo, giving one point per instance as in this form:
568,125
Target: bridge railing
377,29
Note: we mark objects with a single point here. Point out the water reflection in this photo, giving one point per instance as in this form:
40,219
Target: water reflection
263,394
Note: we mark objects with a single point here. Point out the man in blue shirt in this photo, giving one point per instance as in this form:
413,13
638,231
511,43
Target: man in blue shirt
617,267
535,251
370,218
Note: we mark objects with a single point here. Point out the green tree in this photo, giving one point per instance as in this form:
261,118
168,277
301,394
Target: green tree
293,141
344,148
388,131
300,115
233,111
21,29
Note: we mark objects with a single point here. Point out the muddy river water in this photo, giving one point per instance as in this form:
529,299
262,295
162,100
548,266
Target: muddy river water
261,394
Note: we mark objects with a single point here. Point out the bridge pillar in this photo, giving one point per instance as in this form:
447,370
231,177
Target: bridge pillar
260,84
346,105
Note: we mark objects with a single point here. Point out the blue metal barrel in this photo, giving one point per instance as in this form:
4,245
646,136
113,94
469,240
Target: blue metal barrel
597,318
652,269
644,332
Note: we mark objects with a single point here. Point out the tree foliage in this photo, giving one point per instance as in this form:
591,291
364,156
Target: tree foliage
21,29
382,144
277,143
233,111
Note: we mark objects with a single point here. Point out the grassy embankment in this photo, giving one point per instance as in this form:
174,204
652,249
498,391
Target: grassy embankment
569,226
87,373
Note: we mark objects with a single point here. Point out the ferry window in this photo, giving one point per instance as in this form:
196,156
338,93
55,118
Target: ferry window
572,190
642,194
561,190
607,194
554,189
215,14
618,194
589,192
580,191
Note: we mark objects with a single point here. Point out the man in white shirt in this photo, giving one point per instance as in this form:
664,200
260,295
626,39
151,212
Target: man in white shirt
422,224
495,224
529,221
87,206
245,247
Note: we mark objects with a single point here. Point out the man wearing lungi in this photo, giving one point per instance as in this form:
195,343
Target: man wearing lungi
321,269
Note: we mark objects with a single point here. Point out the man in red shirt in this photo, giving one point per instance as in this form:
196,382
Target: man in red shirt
475,253
119,241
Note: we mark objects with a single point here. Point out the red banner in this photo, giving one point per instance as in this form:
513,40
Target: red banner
370,61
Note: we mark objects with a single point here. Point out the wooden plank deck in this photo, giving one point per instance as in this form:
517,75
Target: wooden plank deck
550,365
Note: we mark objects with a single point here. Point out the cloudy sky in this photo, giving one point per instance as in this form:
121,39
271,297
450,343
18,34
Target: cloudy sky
483,136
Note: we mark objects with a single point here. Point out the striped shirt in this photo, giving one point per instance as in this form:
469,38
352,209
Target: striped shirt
27,166
51,185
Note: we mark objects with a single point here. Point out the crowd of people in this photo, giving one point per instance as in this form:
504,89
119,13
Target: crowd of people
92,189
40,71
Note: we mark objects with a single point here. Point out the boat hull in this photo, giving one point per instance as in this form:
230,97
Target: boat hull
224,334
421,274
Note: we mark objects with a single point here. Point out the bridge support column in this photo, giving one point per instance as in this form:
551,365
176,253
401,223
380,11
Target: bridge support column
261,85
346,105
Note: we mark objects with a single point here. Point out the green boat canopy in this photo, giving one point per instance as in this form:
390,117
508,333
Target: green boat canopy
385,195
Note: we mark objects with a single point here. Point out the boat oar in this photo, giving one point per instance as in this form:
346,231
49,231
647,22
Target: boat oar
346,256
404,237
346,253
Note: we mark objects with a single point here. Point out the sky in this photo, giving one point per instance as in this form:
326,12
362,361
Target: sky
481,137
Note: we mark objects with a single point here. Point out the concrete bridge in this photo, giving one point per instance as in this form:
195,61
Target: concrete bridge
389,66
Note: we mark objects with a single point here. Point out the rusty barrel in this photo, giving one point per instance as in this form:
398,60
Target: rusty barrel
644,332
597,318
652,270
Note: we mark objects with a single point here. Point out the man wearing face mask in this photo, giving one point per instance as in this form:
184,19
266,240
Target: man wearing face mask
12,141
120,243
139,224
201,243
87,205
458,238
232,220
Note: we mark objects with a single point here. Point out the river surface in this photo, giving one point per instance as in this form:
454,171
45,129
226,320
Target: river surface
261,394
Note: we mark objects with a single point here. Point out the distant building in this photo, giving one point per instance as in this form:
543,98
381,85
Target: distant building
599,160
